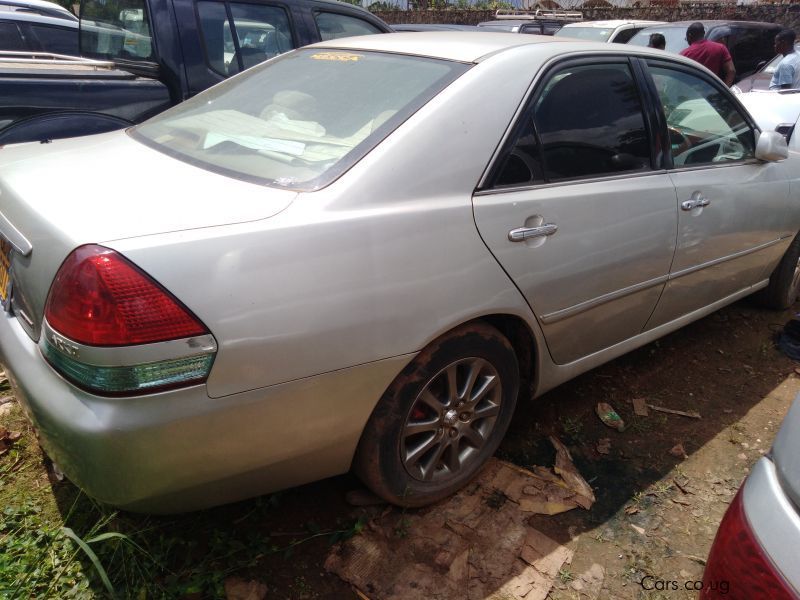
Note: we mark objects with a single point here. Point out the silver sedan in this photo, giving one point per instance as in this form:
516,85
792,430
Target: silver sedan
361,253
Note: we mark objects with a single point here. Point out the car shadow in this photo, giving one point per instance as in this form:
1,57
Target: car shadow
720,366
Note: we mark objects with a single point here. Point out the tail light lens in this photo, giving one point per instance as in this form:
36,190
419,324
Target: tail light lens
737,566
100,304
99,298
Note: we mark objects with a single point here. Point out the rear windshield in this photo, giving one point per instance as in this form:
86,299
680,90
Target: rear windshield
675,36
594,34
118,30
299,120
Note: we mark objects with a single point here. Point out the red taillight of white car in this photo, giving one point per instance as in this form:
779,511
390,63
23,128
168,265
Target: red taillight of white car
111,328
738,567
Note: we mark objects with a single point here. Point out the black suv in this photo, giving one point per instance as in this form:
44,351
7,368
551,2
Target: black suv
750,43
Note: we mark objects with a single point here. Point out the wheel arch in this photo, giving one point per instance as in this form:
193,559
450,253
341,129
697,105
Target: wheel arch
523,341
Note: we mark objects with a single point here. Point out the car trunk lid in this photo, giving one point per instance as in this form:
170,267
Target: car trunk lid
102,188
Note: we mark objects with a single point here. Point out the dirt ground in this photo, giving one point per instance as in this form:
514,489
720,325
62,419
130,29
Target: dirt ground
656,512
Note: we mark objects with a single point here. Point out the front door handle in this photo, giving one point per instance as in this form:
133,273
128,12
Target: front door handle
695,203
525,233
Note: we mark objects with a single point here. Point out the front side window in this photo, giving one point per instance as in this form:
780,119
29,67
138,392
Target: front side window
335,25
58,40
116,30
262,32
300,120
704,125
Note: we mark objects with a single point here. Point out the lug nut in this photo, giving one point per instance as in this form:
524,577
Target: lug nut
453,433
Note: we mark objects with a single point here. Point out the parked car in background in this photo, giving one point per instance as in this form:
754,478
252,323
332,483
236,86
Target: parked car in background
29,32
749,42
538,22
147,65
432,27
755,549
776,110
761,79
37,7
291,272
617,31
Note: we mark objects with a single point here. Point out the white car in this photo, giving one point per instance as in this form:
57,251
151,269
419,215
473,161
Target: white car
617,31
775,110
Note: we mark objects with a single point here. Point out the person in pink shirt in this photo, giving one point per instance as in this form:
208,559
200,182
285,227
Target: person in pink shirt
712,55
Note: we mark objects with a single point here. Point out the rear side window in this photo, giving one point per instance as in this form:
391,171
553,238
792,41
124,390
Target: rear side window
587,121
59,40
12,38
335,25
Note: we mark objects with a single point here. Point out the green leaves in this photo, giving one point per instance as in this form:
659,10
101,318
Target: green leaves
93,557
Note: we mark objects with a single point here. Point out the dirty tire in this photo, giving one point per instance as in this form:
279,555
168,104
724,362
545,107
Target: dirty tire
428,436
784,283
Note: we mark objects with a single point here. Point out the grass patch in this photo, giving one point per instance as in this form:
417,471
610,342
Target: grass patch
55,542
572,428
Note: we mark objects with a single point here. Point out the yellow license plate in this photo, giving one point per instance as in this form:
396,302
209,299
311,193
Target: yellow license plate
5,266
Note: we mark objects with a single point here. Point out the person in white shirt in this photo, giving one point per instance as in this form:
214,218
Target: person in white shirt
787,73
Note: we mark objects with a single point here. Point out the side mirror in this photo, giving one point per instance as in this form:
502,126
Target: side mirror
771,147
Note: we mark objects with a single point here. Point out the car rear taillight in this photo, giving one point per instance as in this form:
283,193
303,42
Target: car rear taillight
737,565
111,328
100,299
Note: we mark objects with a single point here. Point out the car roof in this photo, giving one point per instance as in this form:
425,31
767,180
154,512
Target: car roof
470,47
612,23
431,27
518,22
346,5
42,7
27,17
719,23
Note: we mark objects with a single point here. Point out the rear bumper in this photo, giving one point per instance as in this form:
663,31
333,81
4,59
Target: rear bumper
182,450
774,519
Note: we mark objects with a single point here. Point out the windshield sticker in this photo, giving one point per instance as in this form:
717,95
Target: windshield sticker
337,56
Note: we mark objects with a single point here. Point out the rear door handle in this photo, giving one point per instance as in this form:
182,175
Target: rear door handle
525,233
695,203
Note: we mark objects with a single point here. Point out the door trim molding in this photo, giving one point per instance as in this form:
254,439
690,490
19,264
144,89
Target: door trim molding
716,261
565,313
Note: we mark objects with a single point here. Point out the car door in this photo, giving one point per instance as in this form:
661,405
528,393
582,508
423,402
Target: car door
730,205
577,210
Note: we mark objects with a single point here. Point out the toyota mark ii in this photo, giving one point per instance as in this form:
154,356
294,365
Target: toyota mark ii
359,254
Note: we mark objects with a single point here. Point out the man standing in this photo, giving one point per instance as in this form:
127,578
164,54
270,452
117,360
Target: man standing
712,55
657,41
787,73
